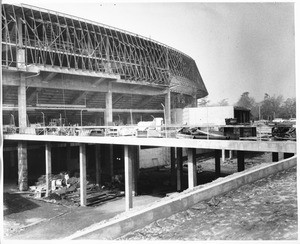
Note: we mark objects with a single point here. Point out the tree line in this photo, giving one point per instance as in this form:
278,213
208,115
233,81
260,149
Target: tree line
269,108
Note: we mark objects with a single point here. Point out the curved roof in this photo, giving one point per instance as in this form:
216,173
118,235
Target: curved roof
58,40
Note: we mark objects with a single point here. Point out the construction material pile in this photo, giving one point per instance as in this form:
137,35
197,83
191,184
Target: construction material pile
284,133
197,133
67,190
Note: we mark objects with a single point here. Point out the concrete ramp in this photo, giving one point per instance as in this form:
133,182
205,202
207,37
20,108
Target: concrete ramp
138,218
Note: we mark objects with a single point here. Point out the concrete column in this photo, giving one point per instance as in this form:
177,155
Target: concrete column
134,157
217,162
288,155
22,166
111,160
275,156
241,160
192,172
82,166
22,104
230,154
20,50
98,164
168,107
173,172
179,169
108,116
48,167
128,179
223,155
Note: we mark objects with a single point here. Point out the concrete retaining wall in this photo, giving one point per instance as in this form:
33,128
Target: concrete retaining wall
134,219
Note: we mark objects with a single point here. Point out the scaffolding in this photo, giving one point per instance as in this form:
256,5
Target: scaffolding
47,38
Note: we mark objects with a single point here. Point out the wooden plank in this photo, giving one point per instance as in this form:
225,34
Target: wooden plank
82,166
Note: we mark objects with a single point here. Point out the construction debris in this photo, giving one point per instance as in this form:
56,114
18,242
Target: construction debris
65,188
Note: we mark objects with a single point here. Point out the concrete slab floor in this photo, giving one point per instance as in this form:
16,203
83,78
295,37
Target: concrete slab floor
32,219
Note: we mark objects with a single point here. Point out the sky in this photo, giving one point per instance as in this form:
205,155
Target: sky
238,47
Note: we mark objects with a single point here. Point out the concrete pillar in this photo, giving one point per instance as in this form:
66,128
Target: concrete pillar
128,179
98,164
108,115
22,166
223,155
173,172
20,50
82,167
275,156
241,160
179,169
192,172
217,162
48,167
134,157
168,107
230,154
22,105
288,155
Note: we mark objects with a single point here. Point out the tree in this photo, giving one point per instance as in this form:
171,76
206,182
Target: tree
288,109
203,101
271,106
223,102
245,101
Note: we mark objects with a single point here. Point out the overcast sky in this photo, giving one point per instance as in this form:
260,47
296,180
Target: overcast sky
237,47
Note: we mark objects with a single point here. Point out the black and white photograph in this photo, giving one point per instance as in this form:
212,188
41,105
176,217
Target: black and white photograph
148,121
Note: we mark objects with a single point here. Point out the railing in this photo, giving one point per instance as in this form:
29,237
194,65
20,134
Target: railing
207,132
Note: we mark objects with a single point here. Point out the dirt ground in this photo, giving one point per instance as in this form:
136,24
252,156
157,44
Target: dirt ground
263,210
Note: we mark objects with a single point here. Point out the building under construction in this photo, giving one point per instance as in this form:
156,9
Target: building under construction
66,79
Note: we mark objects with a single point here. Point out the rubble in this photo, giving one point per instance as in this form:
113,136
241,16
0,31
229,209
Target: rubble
67,189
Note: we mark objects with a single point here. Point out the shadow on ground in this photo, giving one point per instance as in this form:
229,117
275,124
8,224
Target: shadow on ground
15,203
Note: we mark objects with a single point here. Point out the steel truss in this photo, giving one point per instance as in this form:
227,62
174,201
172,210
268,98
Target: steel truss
49,38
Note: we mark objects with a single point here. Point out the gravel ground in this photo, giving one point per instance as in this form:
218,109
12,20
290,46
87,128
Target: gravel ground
263,210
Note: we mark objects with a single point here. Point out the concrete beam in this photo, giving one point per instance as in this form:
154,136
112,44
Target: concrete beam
76,84
128,179
192,173
22,166
48,167
82,166
254,146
